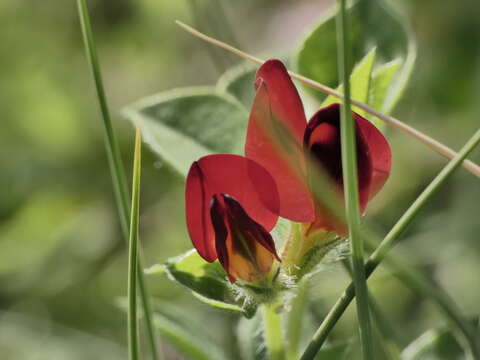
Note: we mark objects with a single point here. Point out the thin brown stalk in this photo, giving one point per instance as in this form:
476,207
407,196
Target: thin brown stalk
389,120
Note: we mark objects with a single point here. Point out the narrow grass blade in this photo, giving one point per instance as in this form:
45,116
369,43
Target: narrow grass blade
119,179
133,251
385,333
350,180
342,303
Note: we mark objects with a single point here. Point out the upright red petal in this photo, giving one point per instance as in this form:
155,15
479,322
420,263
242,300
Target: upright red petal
237,176
380,153
275,139
285,103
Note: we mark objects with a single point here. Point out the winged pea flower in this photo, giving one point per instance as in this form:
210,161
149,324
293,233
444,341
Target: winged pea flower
231,206
280,139
233,202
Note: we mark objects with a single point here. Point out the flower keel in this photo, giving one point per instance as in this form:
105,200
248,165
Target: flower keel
245,249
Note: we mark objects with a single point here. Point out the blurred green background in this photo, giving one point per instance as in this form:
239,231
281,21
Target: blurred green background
62,255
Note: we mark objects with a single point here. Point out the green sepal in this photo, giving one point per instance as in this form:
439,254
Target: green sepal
303,252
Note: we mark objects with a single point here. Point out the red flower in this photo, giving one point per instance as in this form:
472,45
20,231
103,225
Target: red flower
278,138
233,202
231,206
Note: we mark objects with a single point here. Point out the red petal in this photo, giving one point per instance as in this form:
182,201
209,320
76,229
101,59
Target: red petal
245,249
219,218
237,176
322,138
253,230
380,153
285,103
275,139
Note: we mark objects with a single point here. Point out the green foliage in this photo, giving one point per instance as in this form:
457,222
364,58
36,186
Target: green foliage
434,344
250,338
316,57
191,344
207,281
239,82
25,337
359,82
35,231
334,352
185,124
182,330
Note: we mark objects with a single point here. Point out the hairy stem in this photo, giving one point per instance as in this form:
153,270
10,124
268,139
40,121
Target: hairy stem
272,323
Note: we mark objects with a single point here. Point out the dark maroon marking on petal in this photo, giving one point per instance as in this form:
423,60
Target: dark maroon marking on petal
251,230
322,139
218,217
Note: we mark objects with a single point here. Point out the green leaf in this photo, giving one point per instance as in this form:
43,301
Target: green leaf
207,281
435,344
186,341
239,82
182,329
334,352
359,82
183,125
381,80
371,23
250,338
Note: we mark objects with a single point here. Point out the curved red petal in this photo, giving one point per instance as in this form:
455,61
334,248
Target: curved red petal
245,249
196,207
253,230
322,138
275,139
237,176
380,153
219,219
285,103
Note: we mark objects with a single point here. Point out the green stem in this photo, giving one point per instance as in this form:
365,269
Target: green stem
133,251
349,165
117,171
295,319
272,323
341,305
